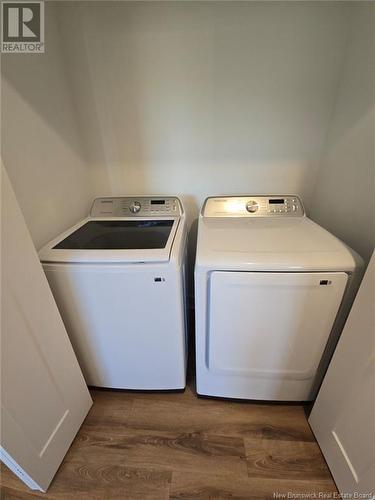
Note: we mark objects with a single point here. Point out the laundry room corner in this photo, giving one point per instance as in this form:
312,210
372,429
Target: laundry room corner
343,199
42,144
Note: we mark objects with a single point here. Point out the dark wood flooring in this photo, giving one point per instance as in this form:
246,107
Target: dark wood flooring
174,445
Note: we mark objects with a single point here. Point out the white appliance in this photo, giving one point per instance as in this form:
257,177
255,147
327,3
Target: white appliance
272,291
118,278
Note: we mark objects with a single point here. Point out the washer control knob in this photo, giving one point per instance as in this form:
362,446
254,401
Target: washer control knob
135,207
252,206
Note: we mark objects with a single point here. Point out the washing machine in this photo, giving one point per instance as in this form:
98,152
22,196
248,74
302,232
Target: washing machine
118,278
272,292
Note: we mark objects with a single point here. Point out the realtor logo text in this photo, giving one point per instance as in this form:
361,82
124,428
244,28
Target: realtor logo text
22,27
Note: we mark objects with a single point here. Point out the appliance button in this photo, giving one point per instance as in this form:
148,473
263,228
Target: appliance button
135,207
252,206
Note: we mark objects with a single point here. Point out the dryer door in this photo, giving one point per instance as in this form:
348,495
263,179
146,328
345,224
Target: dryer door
271,327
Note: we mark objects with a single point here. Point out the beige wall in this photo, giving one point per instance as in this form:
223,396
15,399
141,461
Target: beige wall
344,197
202,98
41,143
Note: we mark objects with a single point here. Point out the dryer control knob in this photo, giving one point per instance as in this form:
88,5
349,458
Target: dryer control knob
252,206
135,207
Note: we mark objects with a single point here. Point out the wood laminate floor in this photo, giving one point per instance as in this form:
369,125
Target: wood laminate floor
174,445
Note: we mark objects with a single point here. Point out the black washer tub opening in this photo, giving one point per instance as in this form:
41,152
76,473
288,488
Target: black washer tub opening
118,235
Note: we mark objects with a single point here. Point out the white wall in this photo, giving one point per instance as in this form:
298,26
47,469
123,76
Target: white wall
344,195
202,98
41,145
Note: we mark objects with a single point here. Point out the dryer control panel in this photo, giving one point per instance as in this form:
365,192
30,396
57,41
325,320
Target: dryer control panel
254,206
139,206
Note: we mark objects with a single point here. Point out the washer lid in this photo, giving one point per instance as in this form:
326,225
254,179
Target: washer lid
270,244
113,240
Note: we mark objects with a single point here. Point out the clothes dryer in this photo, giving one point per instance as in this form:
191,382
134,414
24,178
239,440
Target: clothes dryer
272,291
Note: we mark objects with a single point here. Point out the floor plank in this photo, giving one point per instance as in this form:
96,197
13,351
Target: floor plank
275,459
222,418
97,482
7,493
162,449
207,486
110,410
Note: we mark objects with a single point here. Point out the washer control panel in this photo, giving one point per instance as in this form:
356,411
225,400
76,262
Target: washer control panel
254,206
140,206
